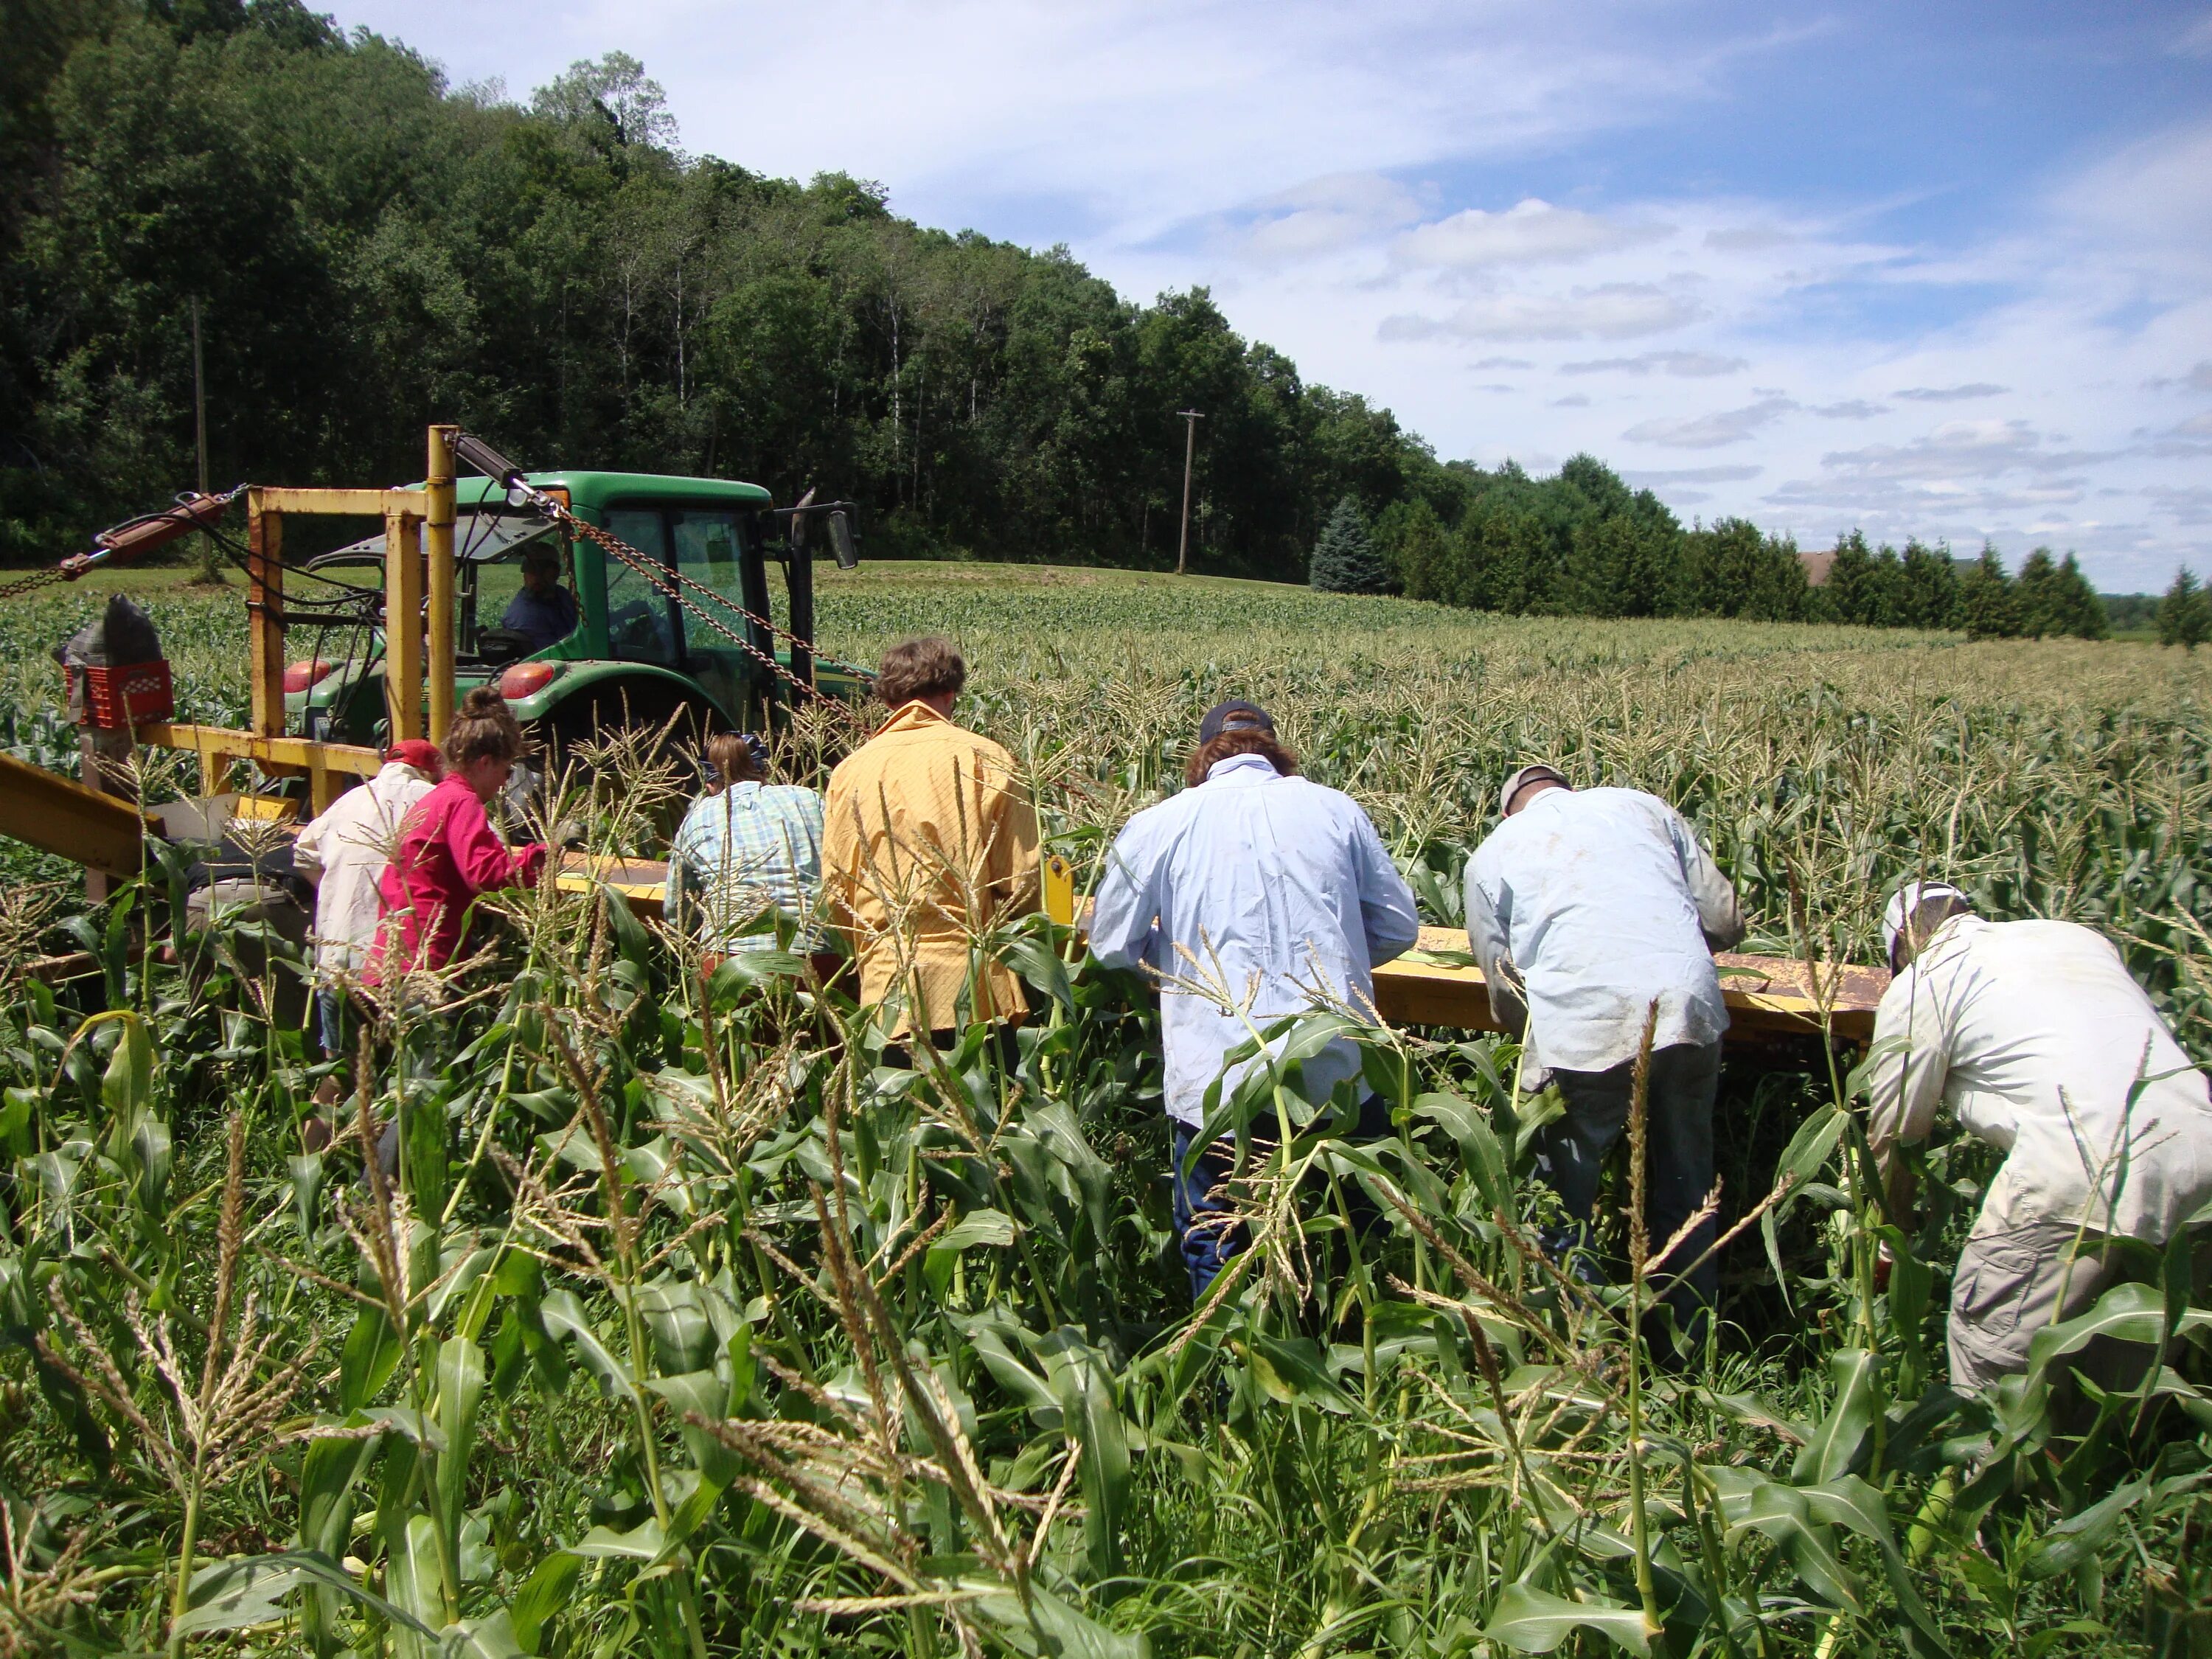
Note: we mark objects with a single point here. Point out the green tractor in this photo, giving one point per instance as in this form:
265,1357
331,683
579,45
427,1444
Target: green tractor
673,621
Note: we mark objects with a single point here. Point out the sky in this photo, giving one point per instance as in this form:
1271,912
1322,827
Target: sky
1929,269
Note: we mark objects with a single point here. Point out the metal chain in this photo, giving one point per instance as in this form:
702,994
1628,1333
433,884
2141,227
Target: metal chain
31,583
666,581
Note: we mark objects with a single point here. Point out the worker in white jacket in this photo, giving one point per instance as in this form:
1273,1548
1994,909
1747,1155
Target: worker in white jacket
343,854
2039,1041
1587,909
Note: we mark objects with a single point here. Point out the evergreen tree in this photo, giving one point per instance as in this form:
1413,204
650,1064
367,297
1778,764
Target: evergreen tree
1778,591
1854,593
1986,609
1927,587
2039,597
2079,607
1344,558
2184,614
1720,569
1419,551
1884,602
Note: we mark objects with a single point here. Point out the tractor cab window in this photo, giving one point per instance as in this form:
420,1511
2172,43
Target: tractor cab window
539,608
640,628
708,553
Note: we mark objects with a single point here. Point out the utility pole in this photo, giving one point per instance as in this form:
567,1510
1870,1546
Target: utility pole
1191,417
199,435
199,397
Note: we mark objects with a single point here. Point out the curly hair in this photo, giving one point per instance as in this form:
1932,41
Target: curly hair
927,667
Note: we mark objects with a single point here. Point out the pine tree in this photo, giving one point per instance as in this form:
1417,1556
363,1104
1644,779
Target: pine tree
1344,559
1986,609
2038,596
2184,614
2081,611
1927,588
1422,555
1854,585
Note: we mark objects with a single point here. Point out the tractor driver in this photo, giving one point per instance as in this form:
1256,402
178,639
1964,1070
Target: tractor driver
544,612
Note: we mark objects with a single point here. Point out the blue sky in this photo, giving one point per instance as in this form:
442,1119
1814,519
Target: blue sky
1928,269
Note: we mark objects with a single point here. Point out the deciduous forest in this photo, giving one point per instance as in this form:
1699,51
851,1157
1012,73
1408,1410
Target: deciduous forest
369,248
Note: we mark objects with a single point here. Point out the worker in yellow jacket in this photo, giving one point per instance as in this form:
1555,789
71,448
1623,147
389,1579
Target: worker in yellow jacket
929,843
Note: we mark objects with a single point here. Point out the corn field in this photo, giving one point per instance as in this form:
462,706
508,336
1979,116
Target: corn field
680,1319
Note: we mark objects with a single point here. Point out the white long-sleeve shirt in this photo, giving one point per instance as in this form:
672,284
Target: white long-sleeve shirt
2034,1035
1281,882
1601,902
344,852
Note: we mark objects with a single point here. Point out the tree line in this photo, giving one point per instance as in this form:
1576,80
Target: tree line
1581,543
370,249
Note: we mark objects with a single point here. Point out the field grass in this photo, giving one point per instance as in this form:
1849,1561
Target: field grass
685,1326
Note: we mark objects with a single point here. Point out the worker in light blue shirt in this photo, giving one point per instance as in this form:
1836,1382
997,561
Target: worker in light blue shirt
1275,887
1587,909
747,854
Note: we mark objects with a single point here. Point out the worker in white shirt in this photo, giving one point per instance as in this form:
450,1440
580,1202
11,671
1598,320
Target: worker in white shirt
343,854
2039,1041
1585,908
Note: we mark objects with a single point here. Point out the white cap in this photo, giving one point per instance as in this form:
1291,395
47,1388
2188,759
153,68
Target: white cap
1907,899
1526,775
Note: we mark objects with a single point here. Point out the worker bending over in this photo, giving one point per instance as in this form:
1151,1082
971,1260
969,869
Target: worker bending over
1585,910
344,853
2039,1041
929,843
1269,888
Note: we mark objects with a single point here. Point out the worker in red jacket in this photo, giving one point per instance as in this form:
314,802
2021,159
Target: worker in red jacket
449,855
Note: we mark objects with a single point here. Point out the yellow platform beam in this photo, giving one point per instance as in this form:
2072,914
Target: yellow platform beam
323,764
1436,982
60,816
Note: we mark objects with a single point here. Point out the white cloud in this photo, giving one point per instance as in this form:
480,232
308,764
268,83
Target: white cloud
1323,215
2195,41
2152,201
1693,475
1610,311
1727,426
1530,233
1689,364
1957,450
1952,394
1576,400
1851,409
2189,504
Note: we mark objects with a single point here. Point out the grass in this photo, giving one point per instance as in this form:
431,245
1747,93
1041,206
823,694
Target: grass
685,1326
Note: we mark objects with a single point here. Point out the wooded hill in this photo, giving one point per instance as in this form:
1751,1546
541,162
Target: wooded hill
371,249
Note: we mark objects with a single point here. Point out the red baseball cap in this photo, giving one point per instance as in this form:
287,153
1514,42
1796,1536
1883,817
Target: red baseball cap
418,753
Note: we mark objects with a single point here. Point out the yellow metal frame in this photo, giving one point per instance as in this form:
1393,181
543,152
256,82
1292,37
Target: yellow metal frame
419,586
1436,983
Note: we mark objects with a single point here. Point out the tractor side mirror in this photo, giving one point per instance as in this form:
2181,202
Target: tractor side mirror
842,543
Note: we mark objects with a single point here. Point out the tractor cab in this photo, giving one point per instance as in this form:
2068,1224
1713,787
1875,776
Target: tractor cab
671,614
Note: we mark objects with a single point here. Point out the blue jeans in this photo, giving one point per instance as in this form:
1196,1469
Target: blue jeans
330,1021
1207,1229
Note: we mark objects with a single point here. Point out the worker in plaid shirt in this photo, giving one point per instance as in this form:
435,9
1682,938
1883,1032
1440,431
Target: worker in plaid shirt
747,852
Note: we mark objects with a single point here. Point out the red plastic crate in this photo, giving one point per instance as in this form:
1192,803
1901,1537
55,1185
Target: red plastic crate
144,689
